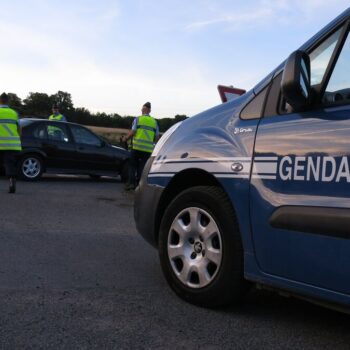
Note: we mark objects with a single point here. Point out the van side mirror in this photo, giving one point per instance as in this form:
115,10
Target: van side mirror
295,85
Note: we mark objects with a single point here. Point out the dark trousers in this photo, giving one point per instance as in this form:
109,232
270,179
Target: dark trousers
9,161
138,159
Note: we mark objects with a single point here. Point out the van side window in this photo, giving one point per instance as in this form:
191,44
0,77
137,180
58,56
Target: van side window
321,56
254,108
272,103
338,88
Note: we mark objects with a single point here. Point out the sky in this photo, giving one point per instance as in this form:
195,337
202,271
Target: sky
114,55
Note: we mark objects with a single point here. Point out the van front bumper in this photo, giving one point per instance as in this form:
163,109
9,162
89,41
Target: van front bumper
147,199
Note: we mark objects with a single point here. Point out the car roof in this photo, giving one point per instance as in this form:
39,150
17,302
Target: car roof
34,120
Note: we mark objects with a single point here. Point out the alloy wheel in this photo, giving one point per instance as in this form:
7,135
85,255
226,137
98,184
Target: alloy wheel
194,247
31,167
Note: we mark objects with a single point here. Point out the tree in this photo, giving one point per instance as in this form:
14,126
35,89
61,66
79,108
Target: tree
40,105
180,117
165,124
15,102
37,104
63,100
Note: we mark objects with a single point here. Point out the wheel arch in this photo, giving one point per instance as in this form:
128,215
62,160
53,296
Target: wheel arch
35,152
182,181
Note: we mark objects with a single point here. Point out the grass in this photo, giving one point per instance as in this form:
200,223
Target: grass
112,135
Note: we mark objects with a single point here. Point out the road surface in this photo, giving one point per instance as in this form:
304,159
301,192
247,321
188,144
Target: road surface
74,274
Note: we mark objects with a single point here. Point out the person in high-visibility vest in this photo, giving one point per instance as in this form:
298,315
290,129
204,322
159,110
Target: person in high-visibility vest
56,115
144,133
10,141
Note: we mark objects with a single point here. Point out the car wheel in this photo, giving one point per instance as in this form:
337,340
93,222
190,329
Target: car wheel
200,248
31,167
124,174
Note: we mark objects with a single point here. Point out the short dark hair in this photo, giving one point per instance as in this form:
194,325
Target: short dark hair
148,105
4,98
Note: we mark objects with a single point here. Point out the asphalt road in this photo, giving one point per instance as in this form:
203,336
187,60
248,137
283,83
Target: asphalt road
74,274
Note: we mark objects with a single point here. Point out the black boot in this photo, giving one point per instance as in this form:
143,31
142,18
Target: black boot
12,185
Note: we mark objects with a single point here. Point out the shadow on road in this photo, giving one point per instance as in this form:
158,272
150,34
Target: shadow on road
81,178
70,178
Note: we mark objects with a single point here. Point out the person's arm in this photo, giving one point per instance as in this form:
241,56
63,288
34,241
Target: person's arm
157,137
130,135
132,132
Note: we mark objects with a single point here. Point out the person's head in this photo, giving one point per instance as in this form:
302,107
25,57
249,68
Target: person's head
4,99
55,109
146,108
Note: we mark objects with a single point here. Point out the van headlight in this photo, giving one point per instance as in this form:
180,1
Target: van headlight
164,139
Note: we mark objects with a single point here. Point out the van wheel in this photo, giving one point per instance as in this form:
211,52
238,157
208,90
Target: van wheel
200,248
31,167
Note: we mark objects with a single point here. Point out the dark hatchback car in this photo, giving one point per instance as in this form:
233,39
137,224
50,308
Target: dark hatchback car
67,148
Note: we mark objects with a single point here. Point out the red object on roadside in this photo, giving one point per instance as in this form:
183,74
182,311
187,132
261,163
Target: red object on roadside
228,93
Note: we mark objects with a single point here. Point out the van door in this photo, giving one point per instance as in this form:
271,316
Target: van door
300,187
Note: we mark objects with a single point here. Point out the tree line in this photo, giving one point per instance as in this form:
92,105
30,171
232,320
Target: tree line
39,105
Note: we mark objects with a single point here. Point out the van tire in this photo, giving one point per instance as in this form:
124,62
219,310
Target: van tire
227,284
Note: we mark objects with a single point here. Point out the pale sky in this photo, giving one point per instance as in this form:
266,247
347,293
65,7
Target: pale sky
114,55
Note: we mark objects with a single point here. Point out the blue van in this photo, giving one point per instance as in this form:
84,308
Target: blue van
257,189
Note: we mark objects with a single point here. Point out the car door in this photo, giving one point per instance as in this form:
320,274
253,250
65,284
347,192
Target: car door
58,145
93,153
300,187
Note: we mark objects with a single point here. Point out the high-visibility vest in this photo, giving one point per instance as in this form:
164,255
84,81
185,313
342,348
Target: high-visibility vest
145,135
52,130
57,117
9,137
